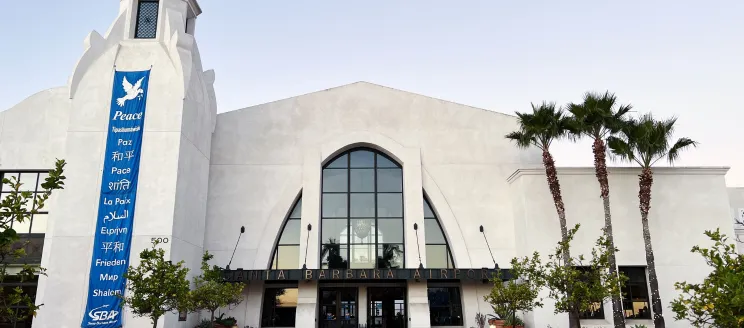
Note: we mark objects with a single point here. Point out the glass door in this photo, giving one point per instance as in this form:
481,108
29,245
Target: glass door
387,307
338,307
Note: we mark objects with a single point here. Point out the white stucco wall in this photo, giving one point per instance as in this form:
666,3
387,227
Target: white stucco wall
32,133
264,155
736,199
679,214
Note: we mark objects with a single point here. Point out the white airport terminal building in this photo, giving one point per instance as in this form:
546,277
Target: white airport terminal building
362,204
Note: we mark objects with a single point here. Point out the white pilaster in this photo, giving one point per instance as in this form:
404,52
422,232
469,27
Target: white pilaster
307,308
311,171
413,204
418,305
362,306
253,303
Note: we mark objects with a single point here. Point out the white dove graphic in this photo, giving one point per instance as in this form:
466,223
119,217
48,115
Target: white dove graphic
132,91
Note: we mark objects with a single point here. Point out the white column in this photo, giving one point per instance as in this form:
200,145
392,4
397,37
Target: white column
418,305
307,305
362,306
413,207
253,302
311,175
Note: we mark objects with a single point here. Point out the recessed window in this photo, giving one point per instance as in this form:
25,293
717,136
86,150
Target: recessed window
635,293
32,229
362,212
287,251
147,19
279,307
30,181
29,287
438,255
445,306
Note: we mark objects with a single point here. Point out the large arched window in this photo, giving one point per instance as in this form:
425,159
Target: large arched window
438,254
362,212
287,251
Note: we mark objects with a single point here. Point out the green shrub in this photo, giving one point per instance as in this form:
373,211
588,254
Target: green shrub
205,323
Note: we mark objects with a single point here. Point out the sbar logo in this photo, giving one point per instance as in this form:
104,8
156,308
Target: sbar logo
100,315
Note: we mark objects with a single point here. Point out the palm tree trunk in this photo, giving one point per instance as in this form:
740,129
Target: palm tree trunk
155,322
644,195
555,189
600,168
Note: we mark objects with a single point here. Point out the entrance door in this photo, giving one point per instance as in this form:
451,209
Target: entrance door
338,307
387,307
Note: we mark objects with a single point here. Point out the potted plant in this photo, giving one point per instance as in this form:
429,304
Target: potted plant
494,321
513,321
512,296
211,293
228,322
205,323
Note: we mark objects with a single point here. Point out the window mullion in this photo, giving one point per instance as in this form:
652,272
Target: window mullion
377,225
348,212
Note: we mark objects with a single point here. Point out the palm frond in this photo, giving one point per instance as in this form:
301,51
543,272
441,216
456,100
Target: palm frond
598,115
541,127
622,110
621,149
649,139
520,138
680,145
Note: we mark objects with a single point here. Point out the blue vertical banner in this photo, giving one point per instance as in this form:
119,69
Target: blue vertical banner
115,218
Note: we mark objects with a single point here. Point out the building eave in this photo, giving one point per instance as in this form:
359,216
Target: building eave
195,7
662,170
493,112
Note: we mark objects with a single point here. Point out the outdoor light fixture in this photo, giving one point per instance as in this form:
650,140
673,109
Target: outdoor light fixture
496,266
307,240
415,227
242,230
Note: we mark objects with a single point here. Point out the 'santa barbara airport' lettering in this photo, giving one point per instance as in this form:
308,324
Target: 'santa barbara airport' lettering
111,246
483,274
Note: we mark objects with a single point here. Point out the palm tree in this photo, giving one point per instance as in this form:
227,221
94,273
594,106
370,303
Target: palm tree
599,117
645,141
389,256
333,250
540,129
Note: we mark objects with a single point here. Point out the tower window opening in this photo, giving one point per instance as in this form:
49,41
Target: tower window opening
147,19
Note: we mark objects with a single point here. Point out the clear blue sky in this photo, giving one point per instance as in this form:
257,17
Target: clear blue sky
683,58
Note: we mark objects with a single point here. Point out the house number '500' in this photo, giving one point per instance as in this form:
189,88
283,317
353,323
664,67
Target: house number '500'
160,240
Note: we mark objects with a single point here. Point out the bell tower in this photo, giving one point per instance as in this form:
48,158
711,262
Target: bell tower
176,135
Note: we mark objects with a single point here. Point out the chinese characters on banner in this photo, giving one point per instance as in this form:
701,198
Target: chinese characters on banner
113,234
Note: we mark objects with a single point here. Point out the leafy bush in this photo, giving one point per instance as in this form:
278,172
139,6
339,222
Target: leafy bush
718,300
205,323
513,320
210,292
229,321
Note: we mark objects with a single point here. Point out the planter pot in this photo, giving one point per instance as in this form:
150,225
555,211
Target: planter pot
496,323
513,326
217,325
